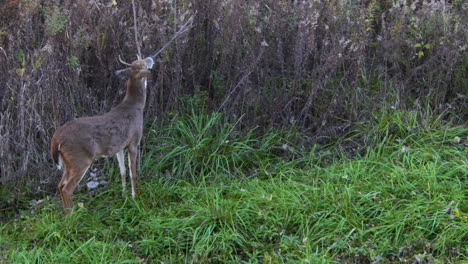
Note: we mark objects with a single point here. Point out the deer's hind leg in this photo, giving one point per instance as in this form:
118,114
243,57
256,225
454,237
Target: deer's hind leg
61,185
72,175
121,159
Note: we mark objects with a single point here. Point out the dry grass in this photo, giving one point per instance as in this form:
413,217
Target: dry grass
321,65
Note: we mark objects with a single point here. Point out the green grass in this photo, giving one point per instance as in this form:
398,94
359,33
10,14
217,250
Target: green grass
212,194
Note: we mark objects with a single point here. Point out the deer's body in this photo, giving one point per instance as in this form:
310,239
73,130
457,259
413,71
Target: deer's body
78,142
101,135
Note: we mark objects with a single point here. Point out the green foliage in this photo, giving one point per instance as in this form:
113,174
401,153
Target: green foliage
421,47
73,63
21,60
202,145
56,21
20,57
400,201
81,39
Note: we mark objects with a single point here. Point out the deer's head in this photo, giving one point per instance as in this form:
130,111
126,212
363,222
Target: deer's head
136,70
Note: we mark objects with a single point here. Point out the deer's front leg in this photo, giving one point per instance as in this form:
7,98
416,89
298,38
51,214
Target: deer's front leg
132,164
121,159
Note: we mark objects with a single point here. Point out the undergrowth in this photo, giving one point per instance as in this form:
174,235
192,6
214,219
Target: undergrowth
213,193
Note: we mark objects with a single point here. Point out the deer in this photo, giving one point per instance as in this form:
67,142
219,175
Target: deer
77,143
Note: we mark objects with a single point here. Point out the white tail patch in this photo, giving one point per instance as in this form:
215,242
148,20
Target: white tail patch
60,162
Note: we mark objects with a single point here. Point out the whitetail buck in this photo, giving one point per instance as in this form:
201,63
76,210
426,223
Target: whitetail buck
78,142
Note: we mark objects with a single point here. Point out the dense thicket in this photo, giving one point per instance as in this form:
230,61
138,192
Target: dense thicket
322,65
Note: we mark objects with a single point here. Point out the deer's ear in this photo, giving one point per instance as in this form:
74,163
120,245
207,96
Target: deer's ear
121,74
149,62
144,74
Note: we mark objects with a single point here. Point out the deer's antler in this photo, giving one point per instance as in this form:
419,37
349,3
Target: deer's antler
123,62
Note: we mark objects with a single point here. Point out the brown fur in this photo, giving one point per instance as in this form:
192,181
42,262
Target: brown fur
80,141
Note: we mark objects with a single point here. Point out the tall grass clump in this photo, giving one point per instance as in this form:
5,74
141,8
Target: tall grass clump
199,145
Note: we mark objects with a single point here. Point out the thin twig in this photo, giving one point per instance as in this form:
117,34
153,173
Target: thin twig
6,209
177,34
234,89
252,68
6,56
235,124
136,29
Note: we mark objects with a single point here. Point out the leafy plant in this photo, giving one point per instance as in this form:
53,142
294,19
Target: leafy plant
73,63
56,21
421,47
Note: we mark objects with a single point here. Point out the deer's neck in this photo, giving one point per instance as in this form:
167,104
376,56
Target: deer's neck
136,92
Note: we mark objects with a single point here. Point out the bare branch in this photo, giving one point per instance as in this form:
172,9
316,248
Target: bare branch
136,28
187,26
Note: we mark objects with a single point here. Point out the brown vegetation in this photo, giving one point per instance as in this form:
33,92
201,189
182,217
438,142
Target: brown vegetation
318,64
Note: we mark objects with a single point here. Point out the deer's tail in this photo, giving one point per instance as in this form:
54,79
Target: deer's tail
55,152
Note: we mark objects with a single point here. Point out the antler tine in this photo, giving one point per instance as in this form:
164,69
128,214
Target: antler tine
123,62
187,26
